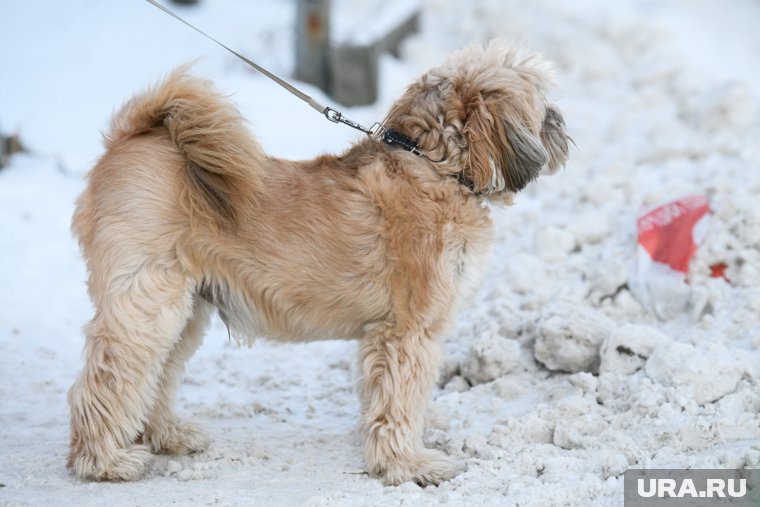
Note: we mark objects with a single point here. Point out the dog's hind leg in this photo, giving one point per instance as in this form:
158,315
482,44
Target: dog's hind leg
140,313
163,432
399,370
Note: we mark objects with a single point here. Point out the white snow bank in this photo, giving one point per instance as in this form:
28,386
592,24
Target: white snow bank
706,375
568,338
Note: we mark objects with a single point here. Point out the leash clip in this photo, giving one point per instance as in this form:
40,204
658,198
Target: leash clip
336,116
333,115
376,131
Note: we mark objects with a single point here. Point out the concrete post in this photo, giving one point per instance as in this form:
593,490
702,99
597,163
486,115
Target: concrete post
312,42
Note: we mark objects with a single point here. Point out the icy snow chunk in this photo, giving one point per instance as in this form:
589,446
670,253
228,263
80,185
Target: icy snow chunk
744,401
628,347
585,381
477,446
507,388
552,243
568,338
526,274
707,374
491,357
590,228
457,384
725,108
173,467
614,464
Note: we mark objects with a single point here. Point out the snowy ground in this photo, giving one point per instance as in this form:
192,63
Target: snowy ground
662,99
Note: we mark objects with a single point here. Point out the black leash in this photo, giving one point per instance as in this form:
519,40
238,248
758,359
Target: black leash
390,137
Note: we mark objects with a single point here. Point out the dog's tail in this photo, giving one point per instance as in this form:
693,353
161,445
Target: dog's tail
222,156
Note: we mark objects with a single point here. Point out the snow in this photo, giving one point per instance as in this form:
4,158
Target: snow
661,99
569,337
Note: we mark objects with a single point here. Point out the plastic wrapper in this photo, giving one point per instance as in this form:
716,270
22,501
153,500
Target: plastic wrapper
668,237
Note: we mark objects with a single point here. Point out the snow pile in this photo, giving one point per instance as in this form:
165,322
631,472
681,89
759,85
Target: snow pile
556,378
568,338
628,347
706,375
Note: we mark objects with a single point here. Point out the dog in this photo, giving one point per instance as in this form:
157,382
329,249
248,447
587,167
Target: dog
185,214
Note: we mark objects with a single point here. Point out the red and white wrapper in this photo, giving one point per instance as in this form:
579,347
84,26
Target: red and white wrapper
668,236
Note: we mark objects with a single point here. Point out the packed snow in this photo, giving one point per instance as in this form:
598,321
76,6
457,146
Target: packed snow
556,378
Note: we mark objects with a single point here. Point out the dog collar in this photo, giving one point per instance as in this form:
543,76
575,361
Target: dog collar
393,137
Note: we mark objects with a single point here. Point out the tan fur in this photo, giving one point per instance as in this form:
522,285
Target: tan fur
184,209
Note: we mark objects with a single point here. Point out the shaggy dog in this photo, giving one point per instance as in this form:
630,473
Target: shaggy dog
185,213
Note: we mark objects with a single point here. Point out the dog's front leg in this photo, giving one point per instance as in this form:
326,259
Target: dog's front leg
399,370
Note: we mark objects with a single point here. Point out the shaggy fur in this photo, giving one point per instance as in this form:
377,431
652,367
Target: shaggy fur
184,212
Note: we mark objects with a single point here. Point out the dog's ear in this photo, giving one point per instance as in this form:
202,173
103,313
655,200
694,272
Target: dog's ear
478,166
503,153
555,138
524,156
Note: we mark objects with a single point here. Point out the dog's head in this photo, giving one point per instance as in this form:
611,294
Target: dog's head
483,116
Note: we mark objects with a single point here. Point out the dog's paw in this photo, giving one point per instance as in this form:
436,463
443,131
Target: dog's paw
118,465
428,468
177,438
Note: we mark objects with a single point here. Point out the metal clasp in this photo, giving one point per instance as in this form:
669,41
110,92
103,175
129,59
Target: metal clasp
337,117
376,130
332,115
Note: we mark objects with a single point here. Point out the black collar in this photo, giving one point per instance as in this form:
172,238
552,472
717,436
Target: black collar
394,138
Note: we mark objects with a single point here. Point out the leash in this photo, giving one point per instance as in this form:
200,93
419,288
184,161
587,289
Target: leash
390,137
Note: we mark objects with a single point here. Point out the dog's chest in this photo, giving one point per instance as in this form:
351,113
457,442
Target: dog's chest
465,256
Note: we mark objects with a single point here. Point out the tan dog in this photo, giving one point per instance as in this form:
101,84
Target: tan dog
185,213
